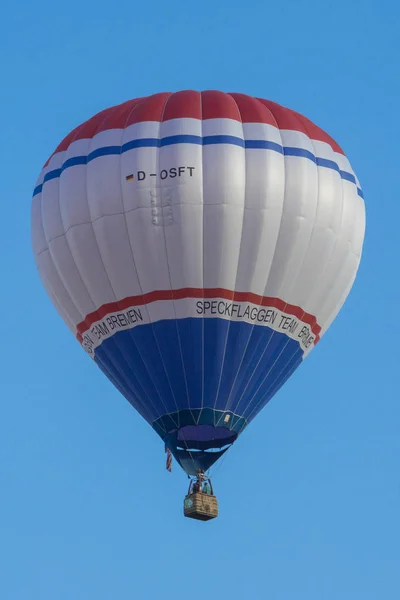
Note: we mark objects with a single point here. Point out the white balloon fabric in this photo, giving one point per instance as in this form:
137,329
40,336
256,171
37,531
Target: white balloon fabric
198,245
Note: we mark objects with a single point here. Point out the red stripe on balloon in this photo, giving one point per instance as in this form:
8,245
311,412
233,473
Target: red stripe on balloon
289,119
183,105
218,105
199,293
206,105
253,111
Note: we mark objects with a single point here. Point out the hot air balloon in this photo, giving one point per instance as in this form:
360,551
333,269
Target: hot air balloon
198,245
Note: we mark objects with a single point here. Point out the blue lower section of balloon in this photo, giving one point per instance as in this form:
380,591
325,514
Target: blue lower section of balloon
174,367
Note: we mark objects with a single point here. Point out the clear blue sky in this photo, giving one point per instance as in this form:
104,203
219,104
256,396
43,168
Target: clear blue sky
87,510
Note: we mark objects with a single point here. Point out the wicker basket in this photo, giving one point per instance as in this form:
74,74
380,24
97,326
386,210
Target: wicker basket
200,506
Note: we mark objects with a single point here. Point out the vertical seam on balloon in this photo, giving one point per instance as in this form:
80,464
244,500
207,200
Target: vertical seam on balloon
312,288
124,212
287,372
52,292
178,334
267,279
338,271
170,285
47,285
123,389
315,214
297,357
200,97
273,334
70,252
359,202
63,226
237,269
263,354
253,326
43,275
126,374
146,395
332,254
126,384
102,366
323,327
256,409
203,214
69,248
152,324
73,301
252,330
271,390
249,379
113,341
293,286
169,275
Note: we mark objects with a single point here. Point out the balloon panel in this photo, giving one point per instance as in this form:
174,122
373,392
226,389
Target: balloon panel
199,245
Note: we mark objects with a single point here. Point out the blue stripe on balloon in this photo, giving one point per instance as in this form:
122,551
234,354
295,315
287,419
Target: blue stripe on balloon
232,140
141,143
288,151
181,139
173,365
52,175
205,141
263,145
74,162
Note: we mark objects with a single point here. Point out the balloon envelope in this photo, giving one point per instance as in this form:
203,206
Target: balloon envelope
198,245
